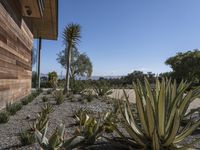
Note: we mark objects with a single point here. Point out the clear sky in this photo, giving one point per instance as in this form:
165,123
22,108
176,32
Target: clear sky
120,36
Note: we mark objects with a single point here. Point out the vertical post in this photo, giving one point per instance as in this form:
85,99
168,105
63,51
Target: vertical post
39,57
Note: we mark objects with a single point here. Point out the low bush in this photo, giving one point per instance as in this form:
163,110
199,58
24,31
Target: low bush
88,95
13,108
25,101
36,93
78,87
30,98
27,138
102,89
4,117
59,97
44,99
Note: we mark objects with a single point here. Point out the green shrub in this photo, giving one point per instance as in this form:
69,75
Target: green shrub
88,95
160,112
78,87
25,101
35,94
27,138
44,99
29,98
4,117
102,89
13,108
59,97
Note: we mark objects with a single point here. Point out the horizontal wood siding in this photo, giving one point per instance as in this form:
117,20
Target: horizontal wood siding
16,43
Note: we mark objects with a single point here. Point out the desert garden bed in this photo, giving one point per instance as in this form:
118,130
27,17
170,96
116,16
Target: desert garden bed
63,113
9,137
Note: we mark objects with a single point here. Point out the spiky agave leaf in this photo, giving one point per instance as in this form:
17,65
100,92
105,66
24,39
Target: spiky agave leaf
41,138
160,113
180,137
140,108
74,142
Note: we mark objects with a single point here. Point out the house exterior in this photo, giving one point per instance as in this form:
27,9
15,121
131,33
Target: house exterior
22,21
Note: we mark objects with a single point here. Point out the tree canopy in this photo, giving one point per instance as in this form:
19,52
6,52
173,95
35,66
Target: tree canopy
185,65
80,63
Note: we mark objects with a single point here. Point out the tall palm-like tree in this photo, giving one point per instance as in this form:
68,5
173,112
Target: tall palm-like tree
71,37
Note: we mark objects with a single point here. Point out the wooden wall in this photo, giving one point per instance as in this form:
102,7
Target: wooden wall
15,54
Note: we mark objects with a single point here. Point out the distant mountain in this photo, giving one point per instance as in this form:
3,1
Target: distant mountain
97,77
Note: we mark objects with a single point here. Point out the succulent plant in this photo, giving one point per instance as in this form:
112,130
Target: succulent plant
59,97
27,138
160,113
193,114
44,99
4,117
25,101
47,108
56,141
42,118
13,108
92,129
81,116
78,87
88,95
102,89
29,98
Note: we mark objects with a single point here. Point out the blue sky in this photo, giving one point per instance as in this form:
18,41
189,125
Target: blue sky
120,36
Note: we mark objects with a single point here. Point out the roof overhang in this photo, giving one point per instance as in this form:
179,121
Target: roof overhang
41,17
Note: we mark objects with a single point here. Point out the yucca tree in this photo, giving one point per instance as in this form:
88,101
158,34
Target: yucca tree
160,113
71,37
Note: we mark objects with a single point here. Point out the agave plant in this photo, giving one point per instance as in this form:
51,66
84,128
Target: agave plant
81,116
40,123
59,97
42,118
160,113
88,95
102,89
27,137
55,142
92,129
193,114
47,108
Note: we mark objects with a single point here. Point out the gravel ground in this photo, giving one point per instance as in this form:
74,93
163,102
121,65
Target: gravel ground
62,113
9,132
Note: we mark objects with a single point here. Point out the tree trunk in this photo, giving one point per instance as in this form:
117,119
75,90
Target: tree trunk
67,80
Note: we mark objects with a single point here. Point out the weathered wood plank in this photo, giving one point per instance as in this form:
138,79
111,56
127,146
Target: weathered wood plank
16,42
